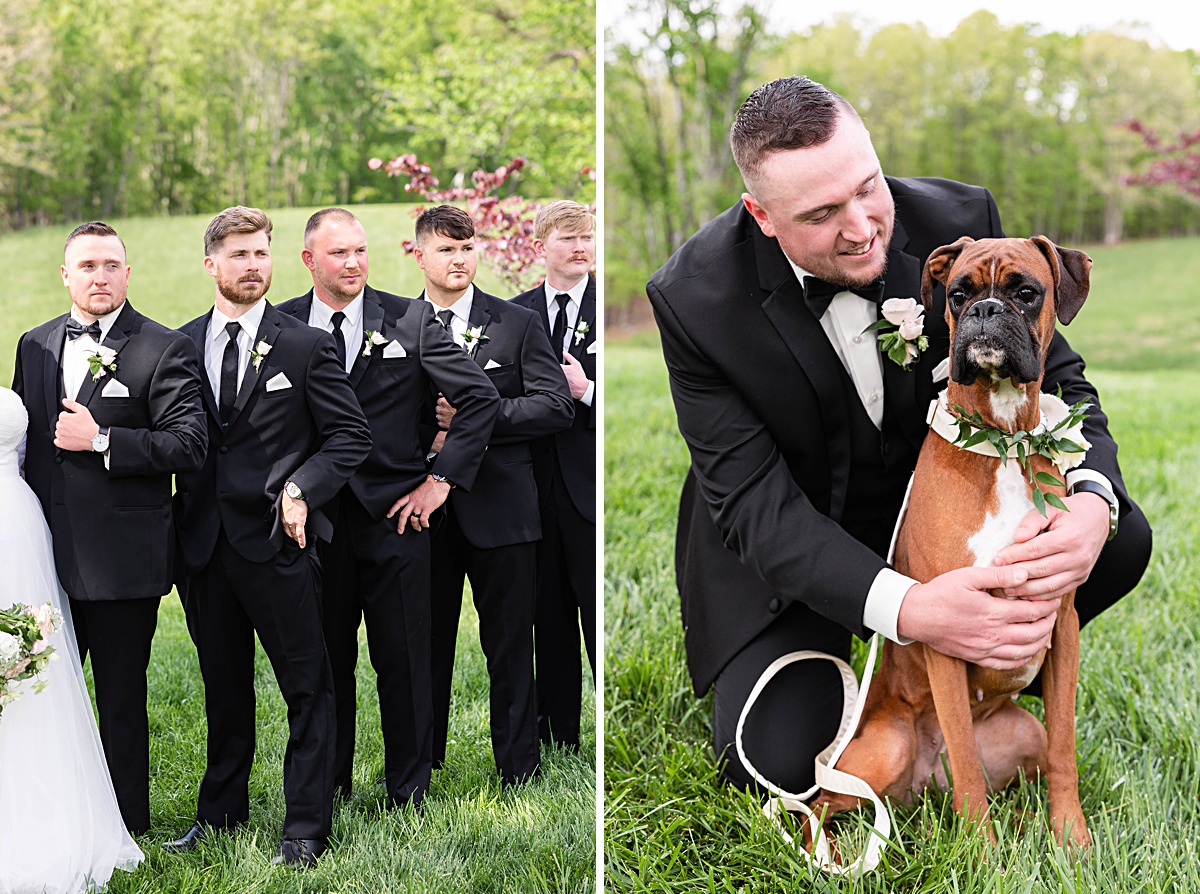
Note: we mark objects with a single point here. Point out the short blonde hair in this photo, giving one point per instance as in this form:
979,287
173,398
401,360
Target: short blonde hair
562,214
238,219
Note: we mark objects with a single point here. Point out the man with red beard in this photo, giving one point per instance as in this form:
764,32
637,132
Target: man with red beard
285,433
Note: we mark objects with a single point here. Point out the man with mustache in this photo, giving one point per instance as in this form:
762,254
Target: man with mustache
803,435
286,433
114,410
565,467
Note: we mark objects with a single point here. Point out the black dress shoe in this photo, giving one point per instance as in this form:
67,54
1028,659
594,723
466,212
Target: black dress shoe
191,838
300,853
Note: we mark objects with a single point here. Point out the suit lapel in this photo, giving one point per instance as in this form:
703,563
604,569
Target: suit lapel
268,331
479,319
372,321
587,314
197,331
52,370
115,339
903,280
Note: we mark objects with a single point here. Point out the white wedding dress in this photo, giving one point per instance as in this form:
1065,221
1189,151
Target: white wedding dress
60,827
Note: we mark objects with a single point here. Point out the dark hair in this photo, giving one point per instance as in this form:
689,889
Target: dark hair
238,219
445,220
92,228
318,218
788,113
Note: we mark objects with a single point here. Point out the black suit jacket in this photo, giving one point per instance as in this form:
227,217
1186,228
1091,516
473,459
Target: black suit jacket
393,393
312,433
762,405
113,528
502,508
574,448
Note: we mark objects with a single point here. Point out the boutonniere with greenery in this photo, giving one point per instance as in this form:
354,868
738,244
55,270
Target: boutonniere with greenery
474,336
101,362
581,330
259,353
1059,439
901,331
372,339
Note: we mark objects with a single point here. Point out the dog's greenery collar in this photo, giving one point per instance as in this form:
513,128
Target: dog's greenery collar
1058,437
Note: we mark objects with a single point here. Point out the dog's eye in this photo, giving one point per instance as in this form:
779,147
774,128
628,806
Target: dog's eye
1027,294
957,297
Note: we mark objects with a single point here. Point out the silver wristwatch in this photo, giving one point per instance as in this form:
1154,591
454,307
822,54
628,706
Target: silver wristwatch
292,489
1087,486
100,440
441,479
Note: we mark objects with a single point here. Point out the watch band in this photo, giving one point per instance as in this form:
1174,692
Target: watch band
441,479
1087,486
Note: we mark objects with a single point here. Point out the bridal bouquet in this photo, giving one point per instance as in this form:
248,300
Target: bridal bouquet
24,646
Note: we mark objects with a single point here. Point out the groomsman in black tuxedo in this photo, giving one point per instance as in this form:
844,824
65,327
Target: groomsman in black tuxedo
378,564
565,467
114,409
490,534
286,433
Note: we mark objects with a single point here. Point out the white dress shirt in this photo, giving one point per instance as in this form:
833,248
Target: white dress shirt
461,321
321,314
218,338
75,353
573,307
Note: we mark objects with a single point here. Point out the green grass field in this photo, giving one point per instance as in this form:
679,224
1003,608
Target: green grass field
471,836
670,826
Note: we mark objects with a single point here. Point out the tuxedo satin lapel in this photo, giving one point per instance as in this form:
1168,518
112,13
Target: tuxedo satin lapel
587,313
372,322
115,339
268,331
52,369
903,280
198,333
480,318
539,304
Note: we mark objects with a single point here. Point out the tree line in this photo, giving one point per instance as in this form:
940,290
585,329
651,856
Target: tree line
129,107
1037,117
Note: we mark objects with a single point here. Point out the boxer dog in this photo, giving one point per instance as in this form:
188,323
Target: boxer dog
1002,299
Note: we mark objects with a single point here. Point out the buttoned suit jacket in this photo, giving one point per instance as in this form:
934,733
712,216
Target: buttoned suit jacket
311,432
574,448
393,393
502,507
761,400
113,528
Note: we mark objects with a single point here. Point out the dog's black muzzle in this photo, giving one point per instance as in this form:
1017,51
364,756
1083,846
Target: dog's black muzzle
994,339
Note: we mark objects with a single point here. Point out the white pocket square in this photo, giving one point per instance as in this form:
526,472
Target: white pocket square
394,349
278,383
491,364
941,372
115,389
591,349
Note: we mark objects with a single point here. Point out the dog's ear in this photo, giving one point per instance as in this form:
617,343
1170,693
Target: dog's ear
1072,277
937,266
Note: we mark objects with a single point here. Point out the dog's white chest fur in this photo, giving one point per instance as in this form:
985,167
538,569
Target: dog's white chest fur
1000,526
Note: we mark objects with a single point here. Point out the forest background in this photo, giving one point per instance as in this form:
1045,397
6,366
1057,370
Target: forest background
1033,114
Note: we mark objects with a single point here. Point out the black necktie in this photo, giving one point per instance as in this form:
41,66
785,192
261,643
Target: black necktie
559,333
338,338
444,317
229,373
818,293
75,329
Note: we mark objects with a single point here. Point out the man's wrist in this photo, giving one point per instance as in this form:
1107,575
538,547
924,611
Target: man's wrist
440,479
1091,486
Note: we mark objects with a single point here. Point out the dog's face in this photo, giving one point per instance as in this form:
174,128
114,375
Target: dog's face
1002,297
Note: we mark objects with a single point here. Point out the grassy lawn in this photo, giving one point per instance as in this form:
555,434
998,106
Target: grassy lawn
471,836
669,823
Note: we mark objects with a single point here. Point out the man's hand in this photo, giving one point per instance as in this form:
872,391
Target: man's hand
577,379
444,412
956,614
75,427
418,505
1057,552
295,514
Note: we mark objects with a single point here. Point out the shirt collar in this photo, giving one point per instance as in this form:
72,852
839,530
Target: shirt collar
249,321
576,292
322,314
460,308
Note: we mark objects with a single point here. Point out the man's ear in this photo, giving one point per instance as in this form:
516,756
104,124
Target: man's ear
937,268
759,213
1072,277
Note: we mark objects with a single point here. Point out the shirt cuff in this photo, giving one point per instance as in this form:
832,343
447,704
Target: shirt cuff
882,610
1076,475
589,394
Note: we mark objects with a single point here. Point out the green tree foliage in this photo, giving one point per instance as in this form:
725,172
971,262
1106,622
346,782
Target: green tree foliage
123,107
1035,116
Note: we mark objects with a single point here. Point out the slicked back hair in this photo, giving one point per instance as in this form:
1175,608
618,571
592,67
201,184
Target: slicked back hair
787,113
446,221
563,215
92,228
238,219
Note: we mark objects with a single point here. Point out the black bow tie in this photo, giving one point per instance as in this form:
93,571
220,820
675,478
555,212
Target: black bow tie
818,293
75,329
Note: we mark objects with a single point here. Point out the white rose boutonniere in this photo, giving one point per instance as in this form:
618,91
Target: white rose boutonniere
372,339
581,331
474,336
901,331
101,362
259,353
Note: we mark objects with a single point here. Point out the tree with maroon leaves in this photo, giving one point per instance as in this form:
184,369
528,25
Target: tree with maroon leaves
1175,163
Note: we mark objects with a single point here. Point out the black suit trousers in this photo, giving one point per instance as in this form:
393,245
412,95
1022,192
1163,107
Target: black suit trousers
370,570
797,714
226,603
117,634
566,603
502,585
